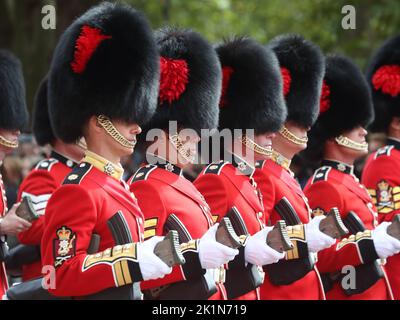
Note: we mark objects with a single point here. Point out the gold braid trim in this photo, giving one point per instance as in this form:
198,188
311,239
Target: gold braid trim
114,133
284,132
351,144
256,147
7,143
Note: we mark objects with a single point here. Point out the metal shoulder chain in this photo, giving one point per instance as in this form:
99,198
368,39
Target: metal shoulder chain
256,147
292,137
7,143
348,143
114,133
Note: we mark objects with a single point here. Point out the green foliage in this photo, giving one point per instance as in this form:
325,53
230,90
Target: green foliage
317,20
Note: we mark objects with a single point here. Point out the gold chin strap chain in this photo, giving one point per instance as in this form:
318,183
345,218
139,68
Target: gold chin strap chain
292,137
7,143
179,145
82,143
114,133
280,160
256,147
348,143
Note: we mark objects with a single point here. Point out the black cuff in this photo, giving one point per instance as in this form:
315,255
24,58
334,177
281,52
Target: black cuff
239,261
192,268
367,250
134,271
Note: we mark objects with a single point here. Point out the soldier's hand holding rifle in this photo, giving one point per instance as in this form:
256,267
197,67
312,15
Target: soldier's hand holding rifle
11,224
316,239
151,266
213,254
386,238
258,252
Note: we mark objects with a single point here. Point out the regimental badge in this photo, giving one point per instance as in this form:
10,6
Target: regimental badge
242,166
109,169
384,196
169,167
64,246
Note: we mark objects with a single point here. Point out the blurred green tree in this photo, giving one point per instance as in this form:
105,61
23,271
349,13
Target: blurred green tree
317,20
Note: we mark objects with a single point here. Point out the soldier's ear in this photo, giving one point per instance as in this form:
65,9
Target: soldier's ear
395,124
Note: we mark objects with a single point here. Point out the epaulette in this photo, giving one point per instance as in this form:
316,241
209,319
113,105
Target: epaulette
321,174
142,173
77,174
384,151
46,164
215,167
260,164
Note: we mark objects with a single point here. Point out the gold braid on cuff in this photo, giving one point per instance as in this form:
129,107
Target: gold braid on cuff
179,145
292,137
256,147
348,143
7,143
114,133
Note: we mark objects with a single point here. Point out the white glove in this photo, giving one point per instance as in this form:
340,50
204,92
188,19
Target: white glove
258,252
385,244
213,254
317,240
151,266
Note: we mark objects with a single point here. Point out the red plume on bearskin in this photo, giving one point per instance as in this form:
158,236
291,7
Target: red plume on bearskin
287,80
387,79
325,102
86,44
226,76
174,78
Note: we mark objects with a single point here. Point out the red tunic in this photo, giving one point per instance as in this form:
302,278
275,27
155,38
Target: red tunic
92,200
166,197
334,185
381,175
39,185
275,182
3,210
225,185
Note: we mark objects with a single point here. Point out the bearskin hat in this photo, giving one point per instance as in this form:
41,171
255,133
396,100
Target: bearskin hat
41,121
345,104
302,66
252,94
106,63
383,76
190,81
13,112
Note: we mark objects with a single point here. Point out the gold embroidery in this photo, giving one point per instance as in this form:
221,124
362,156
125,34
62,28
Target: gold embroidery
149,223
149,233
354,239
191,245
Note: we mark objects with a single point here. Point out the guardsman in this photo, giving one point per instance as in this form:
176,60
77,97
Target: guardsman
13,118
252,102
338,139
190,88
381,174
103,82
43,180
296,277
